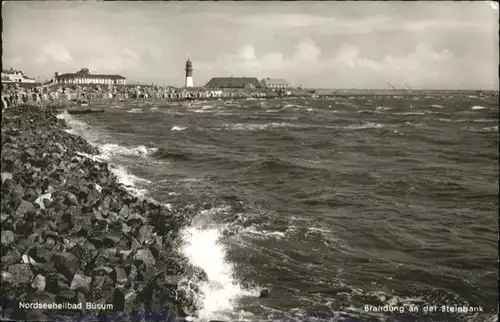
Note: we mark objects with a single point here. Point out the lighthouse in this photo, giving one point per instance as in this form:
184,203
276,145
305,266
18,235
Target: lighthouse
189,73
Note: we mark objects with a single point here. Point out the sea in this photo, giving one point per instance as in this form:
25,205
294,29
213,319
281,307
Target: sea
363,208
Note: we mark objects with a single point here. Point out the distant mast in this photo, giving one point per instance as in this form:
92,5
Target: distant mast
189,74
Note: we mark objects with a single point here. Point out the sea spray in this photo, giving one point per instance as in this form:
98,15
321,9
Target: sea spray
203,248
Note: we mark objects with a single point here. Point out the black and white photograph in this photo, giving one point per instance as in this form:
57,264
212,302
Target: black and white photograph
220,161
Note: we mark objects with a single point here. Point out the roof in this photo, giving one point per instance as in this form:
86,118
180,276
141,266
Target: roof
234,82
88,75
274,81
85,72
10,71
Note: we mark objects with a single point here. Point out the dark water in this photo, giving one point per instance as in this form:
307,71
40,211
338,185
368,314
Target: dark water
333,204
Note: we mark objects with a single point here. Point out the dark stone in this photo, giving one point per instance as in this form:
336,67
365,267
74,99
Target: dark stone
145,256
120,275
20,274
24,207
66,296
145,234
66,263
101,284
264,293
7,237
112,238
71,199
81,283
119,299
124,212
11,258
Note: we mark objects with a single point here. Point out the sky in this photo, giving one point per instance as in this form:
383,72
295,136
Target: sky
425,44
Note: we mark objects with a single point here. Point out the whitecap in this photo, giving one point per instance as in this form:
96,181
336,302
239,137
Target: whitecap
203,248
478,107
368,125
178,128
110,149
135,110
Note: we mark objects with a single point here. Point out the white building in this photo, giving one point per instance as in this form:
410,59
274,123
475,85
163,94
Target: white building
84,76
15,76
275,83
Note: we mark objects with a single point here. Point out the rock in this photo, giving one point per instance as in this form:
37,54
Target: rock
71,199
144,255
124,212
7,237
119,299
66,263
112,238
264,293
24,208
11,258
20,274
101,284
145,234
120,275
66,296
39,283
106,269
80,283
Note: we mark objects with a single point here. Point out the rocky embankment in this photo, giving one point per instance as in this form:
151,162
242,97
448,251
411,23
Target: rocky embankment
70,233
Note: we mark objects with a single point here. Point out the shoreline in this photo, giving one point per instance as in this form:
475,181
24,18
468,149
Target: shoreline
71,233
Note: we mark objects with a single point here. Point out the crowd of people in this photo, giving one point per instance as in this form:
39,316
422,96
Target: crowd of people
57,94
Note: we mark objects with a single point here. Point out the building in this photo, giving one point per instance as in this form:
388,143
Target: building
15,76
234,82
84,77
275,83
189,74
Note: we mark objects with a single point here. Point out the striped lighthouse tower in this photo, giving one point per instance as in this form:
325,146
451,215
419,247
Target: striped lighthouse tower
189,73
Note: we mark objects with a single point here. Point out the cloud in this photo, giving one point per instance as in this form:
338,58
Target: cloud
366,25
55,52
12,61
347,63
115,61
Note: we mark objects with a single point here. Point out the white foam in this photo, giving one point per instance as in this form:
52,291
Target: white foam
409,113
478,107
129,180
135,110
383,108
368,125
250,126
203,249
436,106
178,128
108,150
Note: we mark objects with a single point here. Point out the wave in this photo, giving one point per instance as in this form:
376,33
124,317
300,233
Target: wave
478,107
368,125
178,128
409,113
482,130
252,127
383,108
203,248
436,106
129,181
110,149
135,110
170,153
201,241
